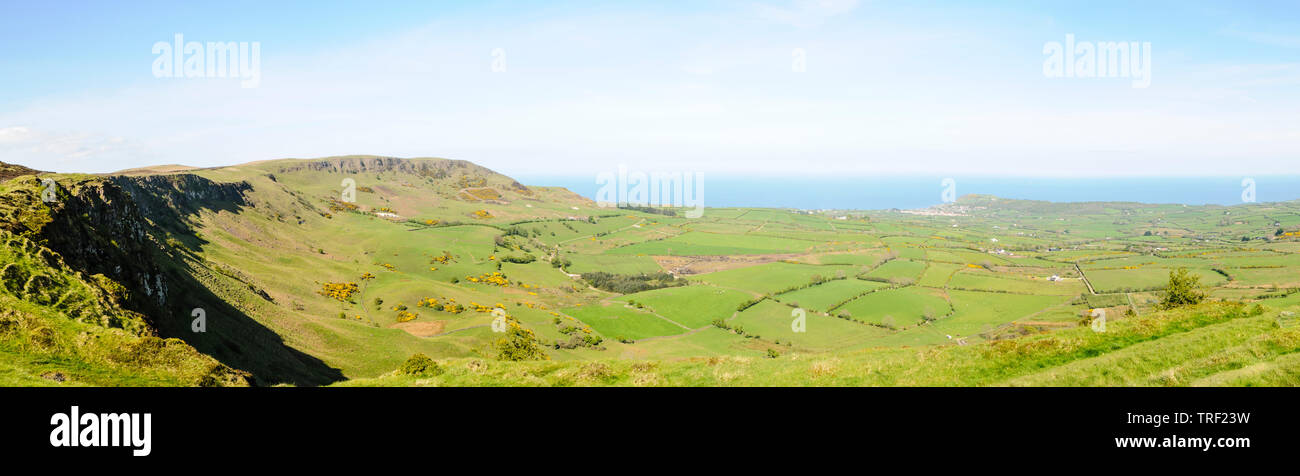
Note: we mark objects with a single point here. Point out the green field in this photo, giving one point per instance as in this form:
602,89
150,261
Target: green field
704,243
773,321
692,306
1143,279
772,277
899,269
897,307
618,321
823,296
1015,283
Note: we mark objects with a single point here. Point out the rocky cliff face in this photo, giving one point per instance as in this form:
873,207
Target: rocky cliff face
132,241
435,168
368,164
117,227
139,231
92,253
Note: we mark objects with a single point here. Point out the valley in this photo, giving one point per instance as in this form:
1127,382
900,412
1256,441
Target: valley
337,271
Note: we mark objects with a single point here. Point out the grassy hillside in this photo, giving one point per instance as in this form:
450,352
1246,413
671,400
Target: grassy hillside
337,270
1215,344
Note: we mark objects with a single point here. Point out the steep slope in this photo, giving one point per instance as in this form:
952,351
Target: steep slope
133,230
299,229
65,322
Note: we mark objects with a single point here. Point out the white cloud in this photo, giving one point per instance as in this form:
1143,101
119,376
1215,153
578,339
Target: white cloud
806,13
72,151
15,134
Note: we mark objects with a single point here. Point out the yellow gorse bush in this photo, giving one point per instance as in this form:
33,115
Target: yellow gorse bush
493,278
341,292
445,304
443,259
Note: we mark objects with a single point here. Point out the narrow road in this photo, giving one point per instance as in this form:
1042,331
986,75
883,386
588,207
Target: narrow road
1085,278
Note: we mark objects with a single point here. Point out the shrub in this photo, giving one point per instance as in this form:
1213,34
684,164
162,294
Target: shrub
631,283
419,365
525,259
519,344
750,303
341,292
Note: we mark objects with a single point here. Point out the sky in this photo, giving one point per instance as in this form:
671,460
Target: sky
772,88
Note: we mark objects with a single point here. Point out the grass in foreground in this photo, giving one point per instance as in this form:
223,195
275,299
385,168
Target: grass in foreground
1210,344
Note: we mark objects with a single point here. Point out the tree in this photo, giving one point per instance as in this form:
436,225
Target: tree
1184,290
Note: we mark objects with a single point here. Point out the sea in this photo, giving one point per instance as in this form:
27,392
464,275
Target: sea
910,192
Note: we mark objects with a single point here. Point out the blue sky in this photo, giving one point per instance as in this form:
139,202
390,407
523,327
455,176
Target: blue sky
935,88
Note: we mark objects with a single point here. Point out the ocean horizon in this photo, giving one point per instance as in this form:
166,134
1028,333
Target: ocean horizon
909,192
